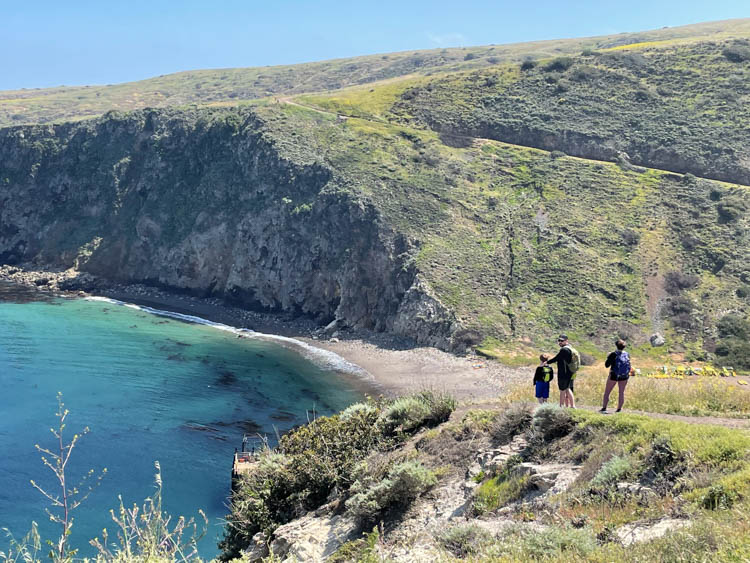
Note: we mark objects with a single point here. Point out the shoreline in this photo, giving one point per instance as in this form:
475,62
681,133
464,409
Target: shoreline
392,366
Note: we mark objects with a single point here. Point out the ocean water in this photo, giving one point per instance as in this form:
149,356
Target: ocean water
150,387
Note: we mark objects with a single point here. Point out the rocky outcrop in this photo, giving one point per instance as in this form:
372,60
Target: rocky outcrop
314,537
203,201
422,313
318,534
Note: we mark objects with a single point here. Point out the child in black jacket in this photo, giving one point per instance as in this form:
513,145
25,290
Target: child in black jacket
542,376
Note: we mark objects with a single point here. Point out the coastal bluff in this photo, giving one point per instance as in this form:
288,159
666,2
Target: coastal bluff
205,202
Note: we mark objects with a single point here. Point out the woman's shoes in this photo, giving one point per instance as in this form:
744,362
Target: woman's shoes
618,410
603,410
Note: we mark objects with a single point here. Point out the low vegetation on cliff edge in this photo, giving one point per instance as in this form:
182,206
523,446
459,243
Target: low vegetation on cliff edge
503,484
353,457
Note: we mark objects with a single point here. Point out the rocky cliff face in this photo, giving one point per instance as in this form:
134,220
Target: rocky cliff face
203,201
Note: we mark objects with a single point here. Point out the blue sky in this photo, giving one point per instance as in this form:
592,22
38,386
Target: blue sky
49,43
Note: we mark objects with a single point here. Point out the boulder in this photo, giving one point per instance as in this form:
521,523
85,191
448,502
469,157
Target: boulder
259,548
314,537
656,340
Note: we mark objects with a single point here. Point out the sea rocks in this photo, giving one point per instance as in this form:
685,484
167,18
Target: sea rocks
47,280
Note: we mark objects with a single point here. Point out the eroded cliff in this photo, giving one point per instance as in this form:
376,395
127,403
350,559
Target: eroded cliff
205,201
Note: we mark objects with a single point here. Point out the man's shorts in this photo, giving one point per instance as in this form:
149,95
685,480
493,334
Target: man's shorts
564,383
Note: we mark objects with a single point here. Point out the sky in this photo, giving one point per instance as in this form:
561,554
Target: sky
75,42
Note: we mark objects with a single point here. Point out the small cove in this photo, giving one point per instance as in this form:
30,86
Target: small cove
151,386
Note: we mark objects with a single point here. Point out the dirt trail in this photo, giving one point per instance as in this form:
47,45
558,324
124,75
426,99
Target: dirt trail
289,100
495,404
715,420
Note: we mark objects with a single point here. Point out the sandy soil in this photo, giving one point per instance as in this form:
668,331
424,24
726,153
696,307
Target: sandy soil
403,371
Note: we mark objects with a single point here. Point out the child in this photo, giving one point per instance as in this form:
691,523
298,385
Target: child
542,376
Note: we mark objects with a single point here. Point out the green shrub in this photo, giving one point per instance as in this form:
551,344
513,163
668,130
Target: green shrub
583,73
514,420
465,539
560,64
733,326
357,409
404,483
615,470
718,497
731,209
502,489
737,53
733,347
520,543
427,408
528,64
551,422
663,466
441,406
361,550
407,413
677,282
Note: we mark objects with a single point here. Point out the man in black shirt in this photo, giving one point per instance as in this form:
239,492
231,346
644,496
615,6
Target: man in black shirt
564,377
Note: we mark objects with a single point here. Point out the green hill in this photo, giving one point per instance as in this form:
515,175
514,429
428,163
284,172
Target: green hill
231,85
490,203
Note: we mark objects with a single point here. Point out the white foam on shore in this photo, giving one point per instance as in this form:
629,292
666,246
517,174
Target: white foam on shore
322,358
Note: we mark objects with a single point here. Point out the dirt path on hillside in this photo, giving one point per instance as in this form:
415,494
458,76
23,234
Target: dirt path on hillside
289,100
715,420
498,405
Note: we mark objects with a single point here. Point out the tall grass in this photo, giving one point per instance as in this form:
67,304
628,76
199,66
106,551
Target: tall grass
697,396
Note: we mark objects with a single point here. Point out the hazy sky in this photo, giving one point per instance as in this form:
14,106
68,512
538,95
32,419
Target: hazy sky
49,43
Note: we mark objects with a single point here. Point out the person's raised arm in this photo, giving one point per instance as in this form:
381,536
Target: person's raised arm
610,361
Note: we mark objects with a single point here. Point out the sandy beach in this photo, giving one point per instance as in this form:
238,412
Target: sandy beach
404,371
394,366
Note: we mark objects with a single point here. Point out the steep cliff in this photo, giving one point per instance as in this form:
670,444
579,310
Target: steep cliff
203,201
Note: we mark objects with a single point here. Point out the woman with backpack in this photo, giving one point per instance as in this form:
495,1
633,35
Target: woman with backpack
618,363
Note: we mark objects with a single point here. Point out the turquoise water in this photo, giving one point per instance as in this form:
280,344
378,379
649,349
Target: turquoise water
150,388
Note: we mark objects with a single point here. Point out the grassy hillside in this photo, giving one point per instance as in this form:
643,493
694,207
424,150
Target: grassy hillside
235,84
681,108
522,243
